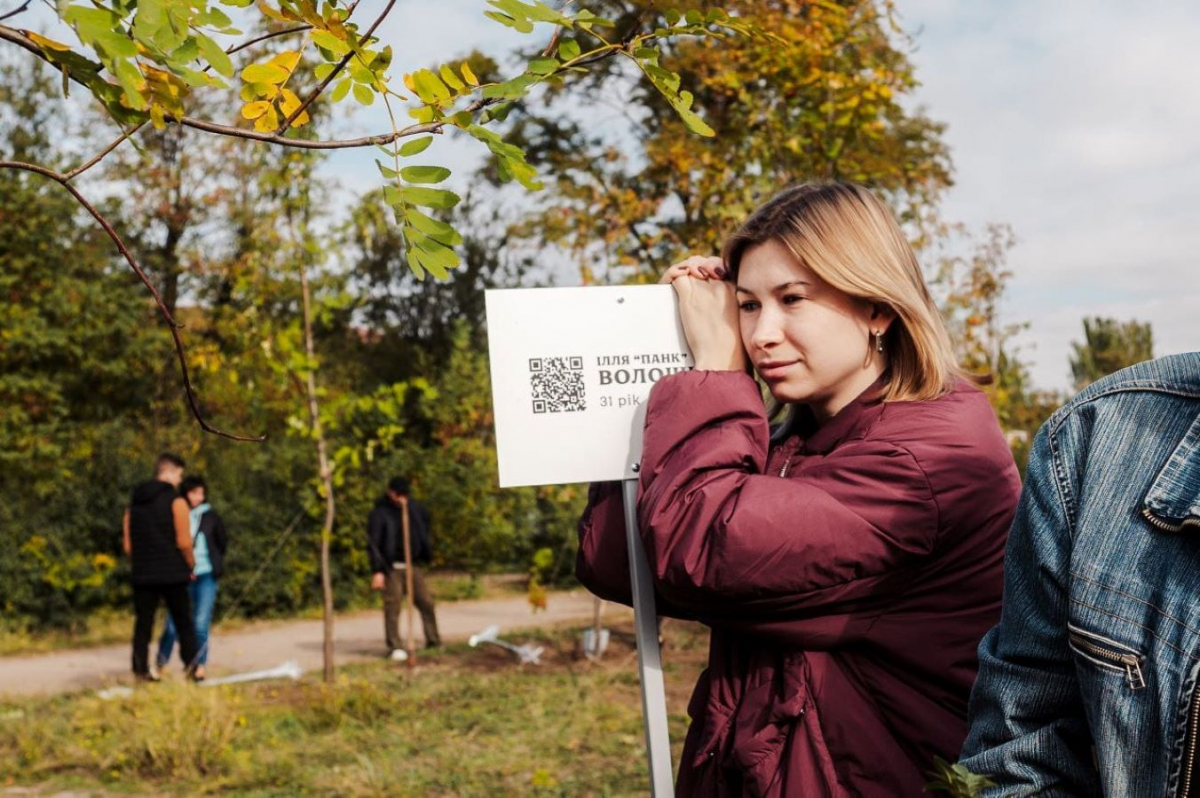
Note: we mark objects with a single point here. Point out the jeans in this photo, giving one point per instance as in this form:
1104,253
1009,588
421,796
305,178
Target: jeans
146,599
203,593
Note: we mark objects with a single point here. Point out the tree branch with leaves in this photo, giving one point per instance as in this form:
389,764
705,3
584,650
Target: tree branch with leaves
145,61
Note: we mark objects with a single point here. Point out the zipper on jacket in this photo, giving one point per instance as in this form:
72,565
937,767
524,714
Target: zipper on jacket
1167,526
1130,663
1189,747
787,461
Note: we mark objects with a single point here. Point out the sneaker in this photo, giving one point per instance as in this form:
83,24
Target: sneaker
398,655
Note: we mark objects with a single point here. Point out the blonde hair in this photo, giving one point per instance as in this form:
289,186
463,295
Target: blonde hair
848,238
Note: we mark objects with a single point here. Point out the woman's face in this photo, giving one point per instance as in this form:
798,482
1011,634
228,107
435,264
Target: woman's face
808,341
195,497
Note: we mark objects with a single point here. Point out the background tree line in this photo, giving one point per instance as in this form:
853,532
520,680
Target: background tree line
89,389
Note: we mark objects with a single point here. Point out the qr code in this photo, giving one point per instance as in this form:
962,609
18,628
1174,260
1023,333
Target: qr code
557,384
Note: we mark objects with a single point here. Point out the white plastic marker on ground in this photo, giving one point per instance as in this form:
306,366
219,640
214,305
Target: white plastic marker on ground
526,654
571,371
288,670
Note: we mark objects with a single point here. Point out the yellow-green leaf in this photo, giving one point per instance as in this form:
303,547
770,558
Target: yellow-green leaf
429,87
264,73
693,122
286,60
434,229
215,56
381,61
431,197
423,114
568,50
363,94
543,66
415,265
268,121
450,79
424,174
410,148
436,256
47,44
255,110
157,117
289,101
330,42
392,196
468,75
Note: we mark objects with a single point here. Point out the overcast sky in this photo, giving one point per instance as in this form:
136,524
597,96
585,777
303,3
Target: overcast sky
1077,122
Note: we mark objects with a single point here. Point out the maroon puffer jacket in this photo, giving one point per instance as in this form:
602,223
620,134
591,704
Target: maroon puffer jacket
847,573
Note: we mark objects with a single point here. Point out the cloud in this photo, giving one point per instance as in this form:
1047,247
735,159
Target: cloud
1074,122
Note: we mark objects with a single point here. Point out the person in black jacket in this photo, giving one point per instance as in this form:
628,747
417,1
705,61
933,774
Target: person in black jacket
385,546
158,539
209,543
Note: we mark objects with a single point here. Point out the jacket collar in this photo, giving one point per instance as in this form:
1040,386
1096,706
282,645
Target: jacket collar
1174,498
849,422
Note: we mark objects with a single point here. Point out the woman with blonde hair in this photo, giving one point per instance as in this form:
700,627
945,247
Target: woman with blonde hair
848,561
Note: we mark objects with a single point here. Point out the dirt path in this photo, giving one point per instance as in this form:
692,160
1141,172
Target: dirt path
358,636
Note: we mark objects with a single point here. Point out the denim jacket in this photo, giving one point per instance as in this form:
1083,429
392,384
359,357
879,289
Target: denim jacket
1088,685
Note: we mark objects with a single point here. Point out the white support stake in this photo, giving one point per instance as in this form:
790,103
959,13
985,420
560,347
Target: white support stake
654,698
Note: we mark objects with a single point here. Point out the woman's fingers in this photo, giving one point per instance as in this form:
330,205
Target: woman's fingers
709,314
701,267
675,272
706,267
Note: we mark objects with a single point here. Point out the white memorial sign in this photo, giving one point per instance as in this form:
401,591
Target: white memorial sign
571,371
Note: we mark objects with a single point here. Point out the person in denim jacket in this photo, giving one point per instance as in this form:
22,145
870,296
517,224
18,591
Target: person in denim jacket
1088,685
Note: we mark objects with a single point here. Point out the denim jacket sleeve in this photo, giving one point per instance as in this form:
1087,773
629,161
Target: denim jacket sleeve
1028,732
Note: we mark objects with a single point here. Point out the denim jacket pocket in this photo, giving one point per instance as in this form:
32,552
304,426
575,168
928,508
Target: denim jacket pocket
1108,654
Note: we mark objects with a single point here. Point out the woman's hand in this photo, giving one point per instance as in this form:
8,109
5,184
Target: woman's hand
708,309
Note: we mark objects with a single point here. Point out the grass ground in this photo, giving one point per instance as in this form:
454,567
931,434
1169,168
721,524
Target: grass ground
109,626
468,722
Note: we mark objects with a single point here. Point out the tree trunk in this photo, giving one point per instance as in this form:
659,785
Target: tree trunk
326,474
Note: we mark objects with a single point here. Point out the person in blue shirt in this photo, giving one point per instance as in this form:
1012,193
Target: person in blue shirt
209,543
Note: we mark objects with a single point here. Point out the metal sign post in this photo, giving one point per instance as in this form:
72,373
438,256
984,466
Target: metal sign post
654,698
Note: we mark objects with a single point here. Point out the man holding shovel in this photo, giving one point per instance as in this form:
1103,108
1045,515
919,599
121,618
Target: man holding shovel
398,542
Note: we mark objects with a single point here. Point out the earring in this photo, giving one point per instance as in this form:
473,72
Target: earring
878,341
